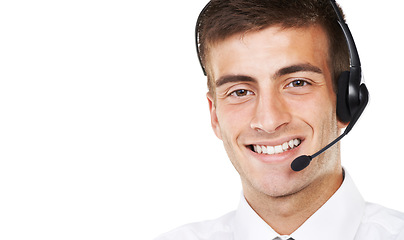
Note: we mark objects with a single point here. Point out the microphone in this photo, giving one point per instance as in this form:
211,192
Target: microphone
303,161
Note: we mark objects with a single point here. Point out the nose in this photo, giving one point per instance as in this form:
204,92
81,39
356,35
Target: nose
271,113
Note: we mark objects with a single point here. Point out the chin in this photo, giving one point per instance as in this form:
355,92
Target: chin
277,186
277,183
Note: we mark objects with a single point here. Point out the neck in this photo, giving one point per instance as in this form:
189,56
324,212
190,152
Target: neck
286,214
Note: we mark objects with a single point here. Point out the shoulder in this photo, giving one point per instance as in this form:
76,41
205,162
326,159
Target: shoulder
220,228
383,222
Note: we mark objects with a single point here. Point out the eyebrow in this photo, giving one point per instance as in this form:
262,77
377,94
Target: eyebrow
234,78
305,67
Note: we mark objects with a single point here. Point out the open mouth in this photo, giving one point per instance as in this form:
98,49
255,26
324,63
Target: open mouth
270,150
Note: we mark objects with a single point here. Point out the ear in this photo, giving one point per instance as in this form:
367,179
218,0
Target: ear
342,125
213,116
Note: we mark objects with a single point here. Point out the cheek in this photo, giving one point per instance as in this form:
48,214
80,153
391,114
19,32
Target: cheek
234,119
318,112
234,123
322,102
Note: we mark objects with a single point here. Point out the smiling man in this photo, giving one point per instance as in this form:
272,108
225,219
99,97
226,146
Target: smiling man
273,68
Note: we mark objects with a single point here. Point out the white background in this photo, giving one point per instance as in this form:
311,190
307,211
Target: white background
104,125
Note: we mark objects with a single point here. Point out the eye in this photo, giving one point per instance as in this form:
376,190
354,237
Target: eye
241,93
298,83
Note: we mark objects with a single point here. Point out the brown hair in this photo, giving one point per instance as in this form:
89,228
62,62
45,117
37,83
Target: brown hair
224,18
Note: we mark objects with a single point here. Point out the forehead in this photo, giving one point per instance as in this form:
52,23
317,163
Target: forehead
268,50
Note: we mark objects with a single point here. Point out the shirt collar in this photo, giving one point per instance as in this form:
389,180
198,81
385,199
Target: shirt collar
248,225
339,218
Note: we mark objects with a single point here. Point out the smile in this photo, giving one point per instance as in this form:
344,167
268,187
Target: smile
270,150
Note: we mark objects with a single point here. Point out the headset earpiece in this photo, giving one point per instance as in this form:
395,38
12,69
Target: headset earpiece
343,110
349,99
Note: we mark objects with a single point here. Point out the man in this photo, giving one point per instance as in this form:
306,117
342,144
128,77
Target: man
273,68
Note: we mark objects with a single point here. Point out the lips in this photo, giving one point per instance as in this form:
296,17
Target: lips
271,150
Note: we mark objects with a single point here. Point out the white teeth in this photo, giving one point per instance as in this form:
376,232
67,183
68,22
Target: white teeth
277,149
291,144
259,149
271,150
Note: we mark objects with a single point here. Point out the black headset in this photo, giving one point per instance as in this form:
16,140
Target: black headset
352,96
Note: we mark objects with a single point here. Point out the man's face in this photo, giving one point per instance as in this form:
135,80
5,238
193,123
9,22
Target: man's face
274,101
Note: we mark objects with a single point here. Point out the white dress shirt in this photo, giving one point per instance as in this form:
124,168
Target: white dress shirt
344,216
